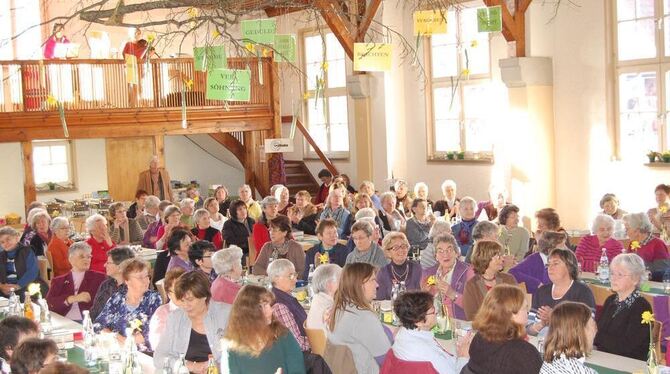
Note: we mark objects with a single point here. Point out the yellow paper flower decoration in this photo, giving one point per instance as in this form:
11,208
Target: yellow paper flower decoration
324,66
192,12
216,34
34,289
135,324
431,281
266,52
51,100
320,82
663,209
250,47
305,96
647,317
189,83
465,72
323,258
474,44
151,37
634,245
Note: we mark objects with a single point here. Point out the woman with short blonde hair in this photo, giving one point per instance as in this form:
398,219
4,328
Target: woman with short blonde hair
122,229
400,269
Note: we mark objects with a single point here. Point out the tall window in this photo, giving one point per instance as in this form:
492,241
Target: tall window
52,163
459,109
642,60
326,108
17,18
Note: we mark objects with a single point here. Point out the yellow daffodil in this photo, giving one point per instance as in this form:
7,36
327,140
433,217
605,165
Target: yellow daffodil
320,82
663,209
51,100
305,96
266,52
250,47
323,258
634,245
135,324
34,289
189,83
216,34
324,66
192,12
431,281
465,72
151,37
473,44
647,317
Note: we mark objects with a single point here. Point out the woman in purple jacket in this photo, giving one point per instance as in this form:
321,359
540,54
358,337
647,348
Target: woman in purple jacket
400,269
533,270
448,278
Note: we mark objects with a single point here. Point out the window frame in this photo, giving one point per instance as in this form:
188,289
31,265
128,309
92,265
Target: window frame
71,184
432,83
328,92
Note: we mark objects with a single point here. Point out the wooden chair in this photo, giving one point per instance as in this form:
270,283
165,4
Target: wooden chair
161,290
394,365
317,340
252,251
43,265
656,332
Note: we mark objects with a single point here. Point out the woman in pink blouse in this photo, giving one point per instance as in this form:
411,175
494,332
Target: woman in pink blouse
159,319
590,247
56,37
228,265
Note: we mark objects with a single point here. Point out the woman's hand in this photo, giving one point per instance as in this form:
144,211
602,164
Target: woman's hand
463,345
446,289
544,313
197,367
7,288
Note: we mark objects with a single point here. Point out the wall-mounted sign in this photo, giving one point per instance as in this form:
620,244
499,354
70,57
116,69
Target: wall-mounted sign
278,145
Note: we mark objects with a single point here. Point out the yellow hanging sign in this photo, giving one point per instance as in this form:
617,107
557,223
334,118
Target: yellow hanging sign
372,56
429,22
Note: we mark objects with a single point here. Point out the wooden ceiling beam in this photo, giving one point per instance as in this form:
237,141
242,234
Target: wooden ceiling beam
367,20
514,26
341,27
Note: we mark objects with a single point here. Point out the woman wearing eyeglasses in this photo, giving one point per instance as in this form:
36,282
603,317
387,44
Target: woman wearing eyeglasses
449,275
400,269
619,329
133,302
75,291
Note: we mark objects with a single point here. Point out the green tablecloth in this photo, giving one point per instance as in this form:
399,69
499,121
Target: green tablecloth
604,370
76,356
644,288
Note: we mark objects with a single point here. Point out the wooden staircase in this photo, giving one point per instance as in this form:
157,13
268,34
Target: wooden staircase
298,178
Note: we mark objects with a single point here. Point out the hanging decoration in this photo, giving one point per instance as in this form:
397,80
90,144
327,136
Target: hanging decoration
52,101
259,31
489,19
372,56
213,57
131,69
229,85
429,22
187,83
285,48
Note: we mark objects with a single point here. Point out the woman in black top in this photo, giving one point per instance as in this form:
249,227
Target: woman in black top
237,229
40,224
221,196
620,330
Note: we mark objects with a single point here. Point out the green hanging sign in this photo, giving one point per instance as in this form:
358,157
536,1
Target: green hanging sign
207,58
284,48
259,31
229,85
489,19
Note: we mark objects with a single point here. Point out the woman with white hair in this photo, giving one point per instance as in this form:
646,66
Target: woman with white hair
75,291
392,218
203,231
619,329
610,206
187,207
150,214
40,222
366,249
428,255
421,192
286,308
228,265
325,282
28,232
57,252
652,249
402,197
483,230
590,247
463,230
448,205
100,241
261,229
335,210
282,195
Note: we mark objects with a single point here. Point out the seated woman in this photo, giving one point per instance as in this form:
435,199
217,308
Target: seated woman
100,241
18,265
512,236
418,227
171,221
151,233
283,196
216,219
158,321
415,342
228,265
222,197
400,269
136,209
440,227
334,209
28,232
133,302
487,264
570,339
500,344
448,205
590,247
610,206
392,218
403,198
564,286
14,330
150,214
619,329
204,231
421,192
353,322
652,249
368,188
187,207
75,291
60,242
533,269
114,279
325,282
451,275
253,207
303,214
194,329
238,228
40,224
286,308
660,215
462,231
281,245
328,251
123,230
178,245
366,249
200,255
32,355
261,230
362,202
256,341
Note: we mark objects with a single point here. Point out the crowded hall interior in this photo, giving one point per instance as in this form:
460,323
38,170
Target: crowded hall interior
334,186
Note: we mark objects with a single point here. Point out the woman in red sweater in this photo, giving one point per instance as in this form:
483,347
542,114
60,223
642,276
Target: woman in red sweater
204,231
590,247
261,229
652,249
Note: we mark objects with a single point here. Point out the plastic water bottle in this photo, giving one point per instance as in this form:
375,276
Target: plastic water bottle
395,292
167,365
402,288
604,267
89,339
180,366
310,278
666,281
15,305
45,316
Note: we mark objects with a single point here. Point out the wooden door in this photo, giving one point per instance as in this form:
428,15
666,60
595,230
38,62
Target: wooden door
126,158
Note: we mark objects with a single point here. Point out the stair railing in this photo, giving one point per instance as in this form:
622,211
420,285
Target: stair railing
326,161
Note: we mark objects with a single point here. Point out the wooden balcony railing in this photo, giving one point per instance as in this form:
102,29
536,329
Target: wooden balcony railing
101,84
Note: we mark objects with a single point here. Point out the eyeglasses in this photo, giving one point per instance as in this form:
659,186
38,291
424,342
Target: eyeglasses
619,275
444,251
292,276
140,276
400,247
85,257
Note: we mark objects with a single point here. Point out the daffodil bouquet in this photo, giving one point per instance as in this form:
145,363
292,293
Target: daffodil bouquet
34,289
652,361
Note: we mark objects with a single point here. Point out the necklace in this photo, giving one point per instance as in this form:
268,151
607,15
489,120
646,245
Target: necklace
400,277
489,279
